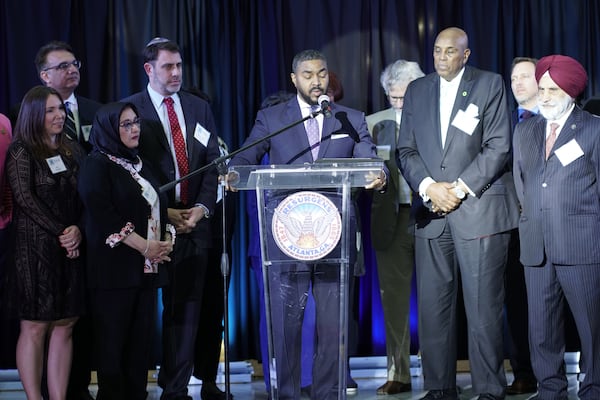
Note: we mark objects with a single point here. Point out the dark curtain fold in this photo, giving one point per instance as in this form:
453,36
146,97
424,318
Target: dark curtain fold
239,51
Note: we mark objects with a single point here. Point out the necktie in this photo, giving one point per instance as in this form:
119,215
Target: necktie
551,138
70,126
179,145
526,114
312,131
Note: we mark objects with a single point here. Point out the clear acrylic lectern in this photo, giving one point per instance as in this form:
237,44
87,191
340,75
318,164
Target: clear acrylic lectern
307,232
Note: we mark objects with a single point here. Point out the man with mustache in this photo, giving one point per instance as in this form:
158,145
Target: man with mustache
556,170
453,149
343,135
179,136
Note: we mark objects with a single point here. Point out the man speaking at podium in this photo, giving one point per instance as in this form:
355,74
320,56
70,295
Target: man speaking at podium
336,132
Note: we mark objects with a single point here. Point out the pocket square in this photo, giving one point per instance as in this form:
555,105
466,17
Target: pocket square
338,136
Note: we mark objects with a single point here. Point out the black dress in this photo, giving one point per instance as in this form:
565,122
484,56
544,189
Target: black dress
48,285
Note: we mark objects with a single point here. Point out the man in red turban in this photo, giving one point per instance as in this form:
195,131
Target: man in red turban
556,170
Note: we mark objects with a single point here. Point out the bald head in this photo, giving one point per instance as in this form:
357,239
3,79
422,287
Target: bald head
450,52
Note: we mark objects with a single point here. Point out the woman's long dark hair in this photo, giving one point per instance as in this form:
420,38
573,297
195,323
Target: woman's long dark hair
31,122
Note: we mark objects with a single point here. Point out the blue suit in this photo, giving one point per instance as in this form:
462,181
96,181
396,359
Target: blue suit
559,230
474,237
292,147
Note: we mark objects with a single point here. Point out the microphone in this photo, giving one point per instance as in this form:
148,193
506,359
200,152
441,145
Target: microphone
347,126
324,103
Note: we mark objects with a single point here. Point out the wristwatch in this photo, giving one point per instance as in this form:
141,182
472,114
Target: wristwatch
458,191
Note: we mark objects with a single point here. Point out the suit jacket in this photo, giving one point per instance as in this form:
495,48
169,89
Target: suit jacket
155,148
292,147
479,158
384,209
87,111
560,203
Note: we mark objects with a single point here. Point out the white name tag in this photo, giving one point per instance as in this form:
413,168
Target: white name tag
467,120
569,152
56,164
201,134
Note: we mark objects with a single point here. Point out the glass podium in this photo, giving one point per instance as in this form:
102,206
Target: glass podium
307,238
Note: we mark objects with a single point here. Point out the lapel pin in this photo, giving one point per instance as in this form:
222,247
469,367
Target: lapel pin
464,94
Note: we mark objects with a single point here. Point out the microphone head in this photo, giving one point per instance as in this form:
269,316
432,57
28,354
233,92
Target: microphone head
323,98
323,101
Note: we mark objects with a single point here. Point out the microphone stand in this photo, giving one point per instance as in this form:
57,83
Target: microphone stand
215,163
221,166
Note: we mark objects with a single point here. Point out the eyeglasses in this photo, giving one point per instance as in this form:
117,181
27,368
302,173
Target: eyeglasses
63,66
394,99
127,125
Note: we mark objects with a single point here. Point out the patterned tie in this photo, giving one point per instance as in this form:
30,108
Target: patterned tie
551,138
70,126
312,131
179,145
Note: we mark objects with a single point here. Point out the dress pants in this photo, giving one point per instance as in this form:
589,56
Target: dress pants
481,263
123,320
181,314
547,289
394,269
289,285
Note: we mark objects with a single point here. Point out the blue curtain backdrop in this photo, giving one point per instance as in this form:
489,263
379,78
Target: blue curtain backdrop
239,51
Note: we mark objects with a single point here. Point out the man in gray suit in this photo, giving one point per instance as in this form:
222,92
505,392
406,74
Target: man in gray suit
453,149
391,237
556,172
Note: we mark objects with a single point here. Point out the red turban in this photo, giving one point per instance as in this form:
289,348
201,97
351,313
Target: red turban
565,71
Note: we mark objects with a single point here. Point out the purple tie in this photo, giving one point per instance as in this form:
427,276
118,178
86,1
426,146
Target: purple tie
312,131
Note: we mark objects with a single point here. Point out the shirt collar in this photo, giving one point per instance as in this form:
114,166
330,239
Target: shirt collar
157,98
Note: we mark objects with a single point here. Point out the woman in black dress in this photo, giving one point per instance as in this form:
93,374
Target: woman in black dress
127,243
46,270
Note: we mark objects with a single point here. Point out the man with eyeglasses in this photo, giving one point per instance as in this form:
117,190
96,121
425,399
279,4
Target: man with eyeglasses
179,136
59,69
390,235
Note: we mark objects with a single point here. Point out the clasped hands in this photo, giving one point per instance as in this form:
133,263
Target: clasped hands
186,219
70,239
443,197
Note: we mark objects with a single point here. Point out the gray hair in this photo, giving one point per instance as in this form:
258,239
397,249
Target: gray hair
400,72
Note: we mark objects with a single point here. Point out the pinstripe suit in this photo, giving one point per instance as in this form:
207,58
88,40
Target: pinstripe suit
559,229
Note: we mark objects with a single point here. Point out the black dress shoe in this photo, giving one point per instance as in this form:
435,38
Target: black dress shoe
393,387
210,391
522,386
443,394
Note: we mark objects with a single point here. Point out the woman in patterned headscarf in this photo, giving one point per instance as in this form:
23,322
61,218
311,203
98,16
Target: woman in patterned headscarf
125,217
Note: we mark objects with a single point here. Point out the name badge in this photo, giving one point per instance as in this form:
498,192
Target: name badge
56,164
149,194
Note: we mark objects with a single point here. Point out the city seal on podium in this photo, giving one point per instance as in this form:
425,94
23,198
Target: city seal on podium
306,226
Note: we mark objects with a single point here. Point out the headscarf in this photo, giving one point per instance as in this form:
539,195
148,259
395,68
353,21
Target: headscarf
105,136
565,71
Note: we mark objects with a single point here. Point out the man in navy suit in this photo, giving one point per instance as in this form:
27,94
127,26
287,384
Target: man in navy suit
188,207
344,135
524,90
556,173
453,150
